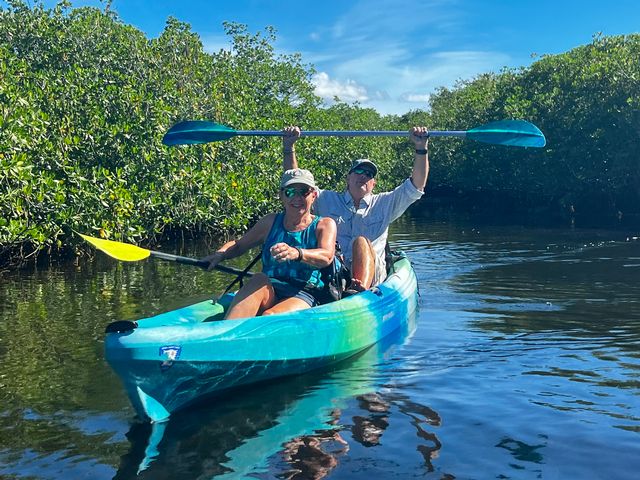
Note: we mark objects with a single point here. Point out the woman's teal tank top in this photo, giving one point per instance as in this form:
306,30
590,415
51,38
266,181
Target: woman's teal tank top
297,273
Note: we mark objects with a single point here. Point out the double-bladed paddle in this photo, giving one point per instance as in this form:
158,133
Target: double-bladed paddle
132,253
514,133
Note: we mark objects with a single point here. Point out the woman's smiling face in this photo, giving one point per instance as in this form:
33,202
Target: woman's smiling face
298,196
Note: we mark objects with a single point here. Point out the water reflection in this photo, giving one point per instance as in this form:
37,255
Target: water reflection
314,456
525,362
521,451
61,403
367,430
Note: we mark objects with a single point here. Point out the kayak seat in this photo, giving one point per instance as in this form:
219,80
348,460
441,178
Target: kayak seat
391,257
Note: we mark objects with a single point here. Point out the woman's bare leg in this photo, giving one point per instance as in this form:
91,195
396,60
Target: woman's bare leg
287,305
253,298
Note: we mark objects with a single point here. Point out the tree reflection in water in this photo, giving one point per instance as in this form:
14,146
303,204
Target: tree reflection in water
315,456
367,430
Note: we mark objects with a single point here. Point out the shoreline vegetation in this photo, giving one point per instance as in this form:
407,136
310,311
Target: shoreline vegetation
85,100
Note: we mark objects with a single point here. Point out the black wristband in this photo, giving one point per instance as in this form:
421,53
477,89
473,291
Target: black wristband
421,151
299,259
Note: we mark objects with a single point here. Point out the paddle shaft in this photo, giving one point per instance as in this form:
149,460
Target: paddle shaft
197,263
347,133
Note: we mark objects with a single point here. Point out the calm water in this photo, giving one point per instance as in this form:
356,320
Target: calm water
524,363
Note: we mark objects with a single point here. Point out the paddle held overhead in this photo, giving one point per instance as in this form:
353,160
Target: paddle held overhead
514,133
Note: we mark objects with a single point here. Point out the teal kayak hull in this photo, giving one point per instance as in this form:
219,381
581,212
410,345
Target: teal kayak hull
174,359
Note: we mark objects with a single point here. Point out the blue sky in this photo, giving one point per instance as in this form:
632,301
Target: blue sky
392,54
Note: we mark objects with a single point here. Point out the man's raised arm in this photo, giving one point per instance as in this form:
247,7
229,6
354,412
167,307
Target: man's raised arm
420,137
289,160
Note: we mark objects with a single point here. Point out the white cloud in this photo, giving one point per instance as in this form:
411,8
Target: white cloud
348,91
392,55
391,81
415,97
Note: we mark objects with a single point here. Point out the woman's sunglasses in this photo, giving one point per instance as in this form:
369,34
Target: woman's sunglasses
291,192
363,171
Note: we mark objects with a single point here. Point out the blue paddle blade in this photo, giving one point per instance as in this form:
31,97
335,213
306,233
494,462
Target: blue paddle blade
197,131
514,133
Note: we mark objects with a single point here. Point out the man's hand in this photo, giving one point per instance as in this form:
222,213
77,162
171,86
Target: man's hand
420,137
291,134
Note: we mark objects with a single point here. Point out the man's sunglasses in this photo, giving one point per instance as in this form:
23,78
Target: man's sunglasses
291,192
363,171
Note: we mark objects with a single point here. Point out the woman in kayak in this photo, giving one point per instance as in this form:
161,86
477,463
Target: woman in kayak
296,245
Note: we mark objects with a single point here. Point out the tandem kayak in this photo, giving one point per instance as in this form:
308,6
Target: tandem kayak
175,359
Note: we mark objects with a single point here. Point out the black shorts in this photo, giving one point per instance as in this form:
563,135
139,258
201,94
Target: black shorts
285,290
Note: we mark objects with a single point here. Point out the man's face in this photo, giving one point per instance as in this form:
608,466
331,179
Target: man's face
360,181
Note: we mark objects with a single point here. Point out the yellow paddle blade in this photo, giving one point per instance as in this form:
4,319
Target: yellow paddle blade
118,250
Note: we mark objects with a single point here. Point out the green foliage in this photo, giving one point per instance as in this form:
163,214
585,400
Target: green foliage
330,158
586,101
85,100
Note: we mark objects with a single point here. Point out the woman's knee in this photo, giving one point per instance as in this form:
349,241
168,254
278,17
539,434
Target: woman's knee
258,284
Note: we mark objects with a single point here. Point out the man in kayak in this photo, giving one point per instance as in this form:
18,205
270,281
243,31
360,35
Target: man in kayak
363,218
296,245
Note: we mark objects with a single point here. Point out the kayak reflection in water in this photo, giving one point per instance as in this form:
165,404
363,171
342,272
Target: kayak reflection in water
296,245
